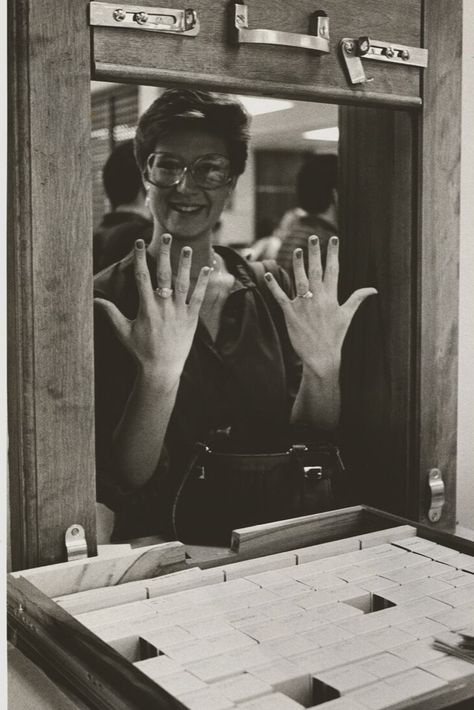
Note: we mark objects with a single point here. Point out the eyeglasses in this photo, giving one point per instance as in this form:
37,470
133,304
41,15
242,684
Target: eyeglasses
208,171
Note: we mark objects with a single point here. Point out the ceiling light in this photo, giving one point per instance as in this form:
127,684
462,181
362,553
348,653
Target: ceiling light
322,134
257,105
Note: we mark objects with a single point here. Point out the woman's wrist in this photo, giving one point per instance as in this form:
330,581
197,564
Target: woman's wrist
158,376
323,369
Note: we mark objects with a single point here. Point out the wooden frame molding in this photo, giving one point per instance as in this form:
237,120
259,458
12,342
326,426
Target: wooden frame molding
438,257
50,357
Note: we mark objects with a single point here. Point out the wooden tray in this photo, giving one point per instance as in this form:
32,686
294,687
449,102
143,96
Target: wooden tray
103,678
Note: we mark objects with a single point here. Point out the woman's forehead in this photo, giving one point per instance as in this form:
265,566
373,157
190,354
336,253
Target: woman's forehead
189,142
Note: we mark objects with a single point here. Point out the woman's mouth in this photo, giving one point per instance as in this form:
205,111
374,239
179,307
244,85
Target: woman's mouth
186,209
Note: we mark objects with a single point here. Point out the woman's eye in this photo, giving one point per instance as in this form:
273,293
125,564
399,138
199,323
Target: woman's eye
167,165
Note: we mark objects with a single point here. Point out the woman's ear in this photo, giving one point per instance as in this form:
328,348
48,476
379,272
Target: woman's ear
230,192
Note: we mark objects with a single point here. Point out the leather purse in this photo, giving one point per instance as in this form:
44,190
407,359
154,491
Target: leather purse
241,489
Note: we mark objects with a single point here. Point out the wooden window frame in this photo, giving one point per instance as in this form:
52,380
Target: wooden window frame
50,344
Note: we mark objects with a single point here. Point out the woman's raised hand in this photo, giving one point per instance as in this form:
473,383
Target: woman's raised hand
162,333
317,324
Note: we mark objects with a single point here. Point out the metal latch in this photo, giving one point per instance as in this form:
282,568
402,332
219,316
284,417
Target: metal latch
438,500
144,17
354,50
76,545
317,40
313,472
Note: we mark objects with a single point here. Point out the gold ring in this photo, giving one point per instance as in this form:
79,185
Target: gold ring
164,292
308,294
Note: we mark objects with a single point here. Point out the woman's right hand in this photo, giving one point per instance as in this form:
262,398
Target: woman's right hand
161,335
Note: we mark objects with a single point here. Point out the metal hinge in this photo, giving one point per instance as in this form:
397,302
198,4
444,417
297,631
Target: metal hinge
317,40
76,544
143,17
436,485
354,50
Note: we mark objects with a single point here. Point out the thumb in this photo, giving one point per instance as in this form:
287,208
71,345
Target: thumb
116,318
357,298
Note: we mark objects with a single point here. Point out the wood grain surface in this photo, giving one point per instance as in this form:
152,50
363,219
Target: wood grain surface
438,257
91,573
50,281
377,154
214,59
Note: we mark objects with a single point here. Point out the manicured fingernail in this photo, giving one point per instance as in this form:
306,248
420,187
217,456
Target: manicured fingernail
268,276
314,240
186,251
206,270
299,253
139,244
334,240
166,238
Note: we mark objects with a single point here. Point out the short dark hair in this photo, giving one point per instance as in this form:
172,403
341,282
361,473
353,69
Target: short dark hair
121,176
316,180
223,116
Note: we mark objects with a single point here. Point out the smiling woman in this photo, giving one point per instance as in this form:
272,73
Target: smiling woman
193,346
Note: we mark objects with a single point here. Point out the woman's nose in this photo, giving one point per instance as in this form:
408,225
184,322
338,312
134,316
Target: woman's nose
187,182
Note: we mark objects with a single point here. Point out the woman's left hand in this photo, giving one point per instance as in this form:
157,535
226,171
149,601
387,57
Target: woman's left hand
317,324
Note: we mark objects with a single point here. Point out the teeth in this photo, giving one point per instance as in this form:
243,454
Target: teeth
187,208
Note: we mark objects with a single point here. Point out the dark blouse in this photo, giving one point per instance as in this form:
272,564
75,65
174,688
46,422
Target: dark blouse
245,382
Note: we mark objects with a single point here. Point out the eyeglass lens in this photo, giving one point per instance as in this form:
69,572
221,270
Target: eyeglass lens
208,171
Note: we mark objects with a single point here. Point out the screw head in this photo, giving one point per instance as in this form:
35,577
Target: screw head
388,51
405,54
75,531
349,46
141,18
119,15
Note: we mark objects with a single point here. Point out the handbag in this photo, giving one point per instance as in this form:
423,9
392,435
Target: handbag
227,491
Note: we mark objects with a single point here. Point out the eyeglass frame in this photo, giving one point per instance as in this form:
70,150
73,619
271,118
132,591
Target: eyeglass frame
185,168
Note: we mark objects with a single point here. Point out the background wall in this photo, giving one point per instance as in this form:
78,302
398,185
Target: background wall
465,504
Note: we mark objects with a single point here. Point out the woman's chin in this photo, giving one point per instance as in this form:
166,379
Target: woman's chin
185,229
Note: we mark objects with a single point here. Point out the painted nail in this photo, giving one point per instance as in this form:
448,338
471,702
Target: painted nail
166,239
268,276
186,252
314,240
299,253
206,270
139,244
334,240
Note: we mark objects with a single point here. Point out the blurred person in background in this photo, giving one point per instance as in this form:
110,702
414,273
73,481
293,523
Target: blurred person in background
130,218
315,213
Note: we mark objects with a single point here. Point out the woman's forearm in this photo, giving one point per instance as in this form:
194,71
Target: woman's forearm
139,436
318,402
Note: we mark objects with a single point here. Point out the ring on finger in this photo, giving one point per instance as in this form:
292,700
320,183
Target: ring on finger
164,292
308,294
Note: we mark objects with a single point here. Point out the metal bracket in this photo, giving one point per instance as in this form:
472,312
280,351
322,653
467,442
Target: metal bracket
76,544
317,41
354,50
144,17
438,500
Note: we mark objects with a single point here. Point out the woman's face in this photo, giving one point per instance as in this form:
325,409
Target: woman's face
186,210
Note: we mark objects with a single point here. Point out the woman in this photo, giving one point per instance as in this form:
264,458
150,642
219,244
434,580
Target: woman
188,345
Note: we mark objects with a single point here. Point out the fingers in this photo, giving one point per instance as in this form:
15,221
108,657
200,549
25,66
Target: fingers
181,287
142,274
278,293
301,280
163,264
331,272
358,297
315,268
119,323
200,289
